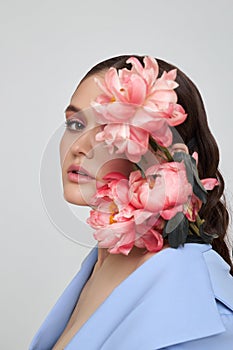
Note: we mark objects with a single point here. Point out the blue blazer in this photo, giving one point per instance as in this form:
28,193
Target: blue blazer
179,299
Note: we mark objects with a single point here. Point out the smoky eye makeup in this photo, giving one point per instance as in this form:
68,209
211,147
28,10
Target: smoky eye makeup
79,119
75,124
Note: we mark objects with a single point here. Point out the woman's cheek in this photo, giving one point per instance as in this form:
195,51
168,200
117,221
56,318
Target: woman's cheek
63,149
122,166
66,143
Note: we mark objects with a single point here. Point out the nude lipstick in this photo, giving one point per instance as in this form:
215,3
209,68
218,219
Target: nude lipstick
79,175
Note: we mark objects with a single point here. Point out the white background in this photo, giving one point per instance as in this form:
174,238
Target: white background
46,47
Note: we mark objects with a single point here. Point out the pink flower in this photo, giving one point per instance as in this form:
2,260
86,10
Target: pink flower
149,234
138,207
121,236
117,112
127,139
126,86
151,240
133,212
192,207
149,73
114,219
118,237
109,191
117,189
164,192
134,99
98,219
136,181
175,115
138,87
115,229
209,183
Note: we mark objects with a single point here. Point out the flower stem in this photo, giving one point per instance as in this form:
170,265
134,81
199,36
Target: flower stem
141,170
164,150
199,221
194,228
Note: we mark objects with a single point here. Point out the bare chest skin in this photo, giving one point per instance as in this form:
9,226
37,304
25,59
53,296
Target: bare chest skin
104,279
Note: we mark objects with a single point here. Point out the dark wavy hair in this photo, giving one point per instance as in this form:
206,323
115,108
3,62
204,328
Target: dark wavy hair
197,136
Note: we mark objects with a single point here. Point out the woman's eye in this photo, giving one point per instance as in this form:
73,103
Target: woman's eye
74,125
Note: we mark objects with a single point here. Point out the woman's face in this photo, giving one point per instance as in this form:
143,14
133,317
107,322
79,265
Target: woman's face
85,161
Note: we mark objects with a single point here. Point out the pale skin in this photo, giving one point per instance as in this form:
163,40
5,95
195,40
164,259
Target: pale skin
82,149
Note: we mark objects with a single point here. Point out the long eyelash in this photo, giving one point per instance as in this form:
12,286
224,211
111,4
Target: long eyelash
68,122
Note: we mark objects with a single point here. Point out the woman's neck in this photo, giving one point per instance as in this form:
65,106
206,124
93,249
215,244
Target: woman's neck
136,256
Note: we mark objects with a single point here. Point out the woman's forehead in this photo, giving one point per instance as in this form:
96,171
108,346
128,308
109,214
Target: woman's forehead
86,92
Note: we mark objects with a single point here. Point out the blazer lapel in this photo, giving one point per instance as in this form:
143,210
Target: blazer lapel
221,279
58,317
167,300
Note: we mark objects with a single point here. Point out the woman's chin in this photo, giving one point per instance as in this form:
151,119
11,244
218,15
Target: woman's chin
75,198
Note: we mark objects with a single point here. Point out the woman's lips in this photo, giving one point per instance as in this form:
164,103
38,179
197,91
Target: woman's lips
78,174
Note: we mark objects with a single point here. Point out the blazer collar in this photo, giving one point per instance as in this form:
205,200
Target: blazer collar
59,315
220,277
168,300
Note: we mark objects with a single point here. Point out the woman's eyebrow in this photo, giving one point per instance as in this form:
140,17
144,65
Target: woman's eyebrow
72,108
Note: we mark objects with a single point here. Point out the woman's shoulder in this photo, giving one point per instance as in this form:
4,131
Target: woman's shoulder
200,270
189,297
220,277
177,296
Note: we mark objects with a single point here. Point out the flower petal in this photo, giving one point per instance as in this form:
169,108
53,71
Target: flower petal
209,183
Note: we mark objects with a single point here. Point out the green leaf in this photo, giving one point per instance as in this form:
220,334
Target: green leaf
199,191
177,230
196,175
182,156
192,174
174,222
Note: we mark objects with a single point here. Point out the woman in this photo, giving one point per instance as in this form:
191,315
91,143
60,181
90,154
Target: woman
161,275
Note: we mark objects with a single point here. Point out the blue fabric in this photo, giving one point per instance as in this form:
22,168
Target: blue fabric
179,299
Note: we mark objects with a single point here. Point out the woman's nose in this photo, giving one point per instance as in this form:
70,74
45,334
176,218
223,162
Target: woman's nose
84,144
